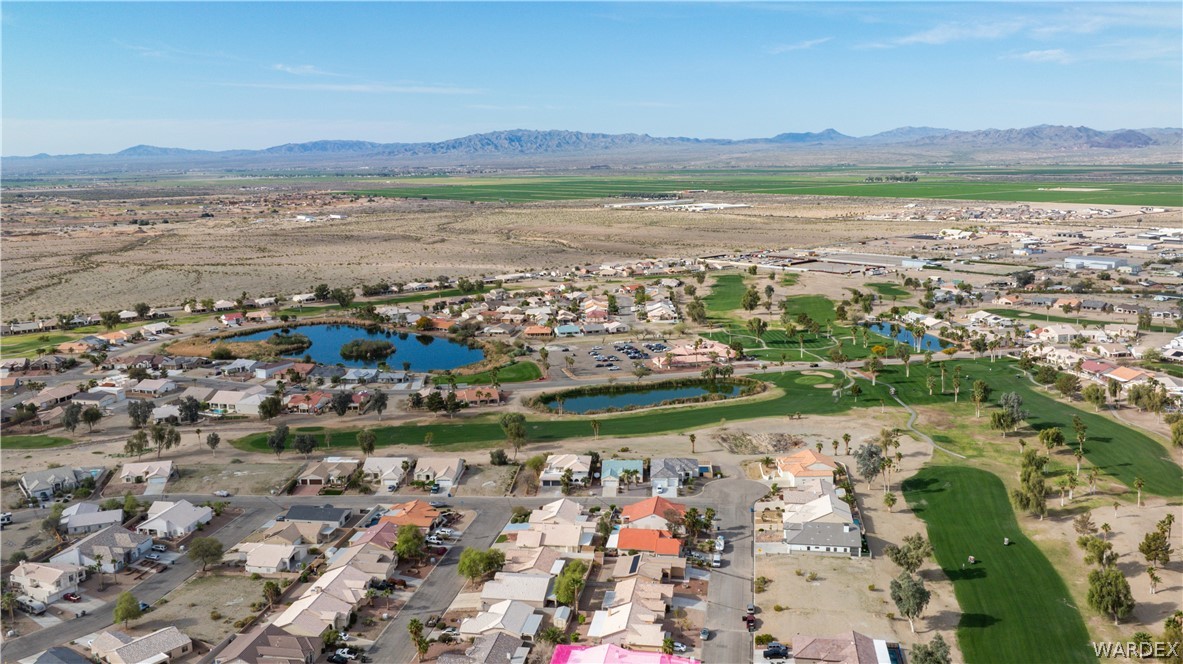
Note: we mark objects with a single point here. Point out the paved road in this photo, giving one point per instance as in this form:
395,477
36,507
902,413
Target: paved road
150,590
730,588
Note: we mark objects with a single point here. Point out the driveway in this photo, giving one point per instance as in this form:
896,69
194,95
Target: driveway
155,487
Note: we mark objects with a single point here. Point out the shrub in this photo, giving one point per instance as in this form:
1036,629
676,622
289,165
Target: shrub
215,615
236,460
812,576
778,608
764,639
255,576
872,588
891,615
799,572
242,622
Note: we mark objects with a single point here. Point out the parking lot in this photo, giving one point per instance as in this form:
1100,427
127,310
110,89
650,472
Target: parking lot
608,357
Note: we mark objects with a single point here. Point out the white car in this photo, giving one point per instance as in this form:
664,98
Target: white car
346,653
222,493
680,647
153,556
445,532
432,539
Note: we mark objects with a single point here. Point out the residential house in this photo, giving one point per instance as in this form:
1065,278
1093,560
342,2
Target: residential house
1113,350
668,474
314,614
611,470
343,582
493,648
804,464
384,535
609,653
508,617
852,648
376,561
332,470
226,402
153,387
58,655
443,471
534,590
267,557
480,396
660,542
117,546
42,485
83,518
649,566
1056,333
269,370
388,472
651,513
102,400
174,519
537,332
163,645
313,403
416,513
561,537
558,464
51,396
325,516
1129,375
268,644
633,614
147,471
47,582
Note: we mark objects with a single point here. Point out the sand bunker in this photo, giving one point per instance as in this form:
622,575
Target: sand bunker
1072,189
824,386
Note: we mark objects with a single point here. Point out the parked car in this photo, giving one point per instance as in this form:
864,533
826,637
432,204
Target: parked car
704,634
72,597
347,653
680,647
432,539
776,651
159,548
451,631
222,493
144,607
438,503
445,532
337,659
431,622
153,556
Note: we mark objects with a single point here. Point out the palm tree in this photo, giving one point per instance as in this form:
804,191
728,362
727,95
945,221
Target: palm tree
846,444
1154,579
8,603
693,438
595,425
98,561
889,500
1138,484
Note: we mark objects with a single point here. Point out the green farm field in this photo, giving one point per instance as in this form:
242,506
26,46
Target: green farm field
1051,187
968,514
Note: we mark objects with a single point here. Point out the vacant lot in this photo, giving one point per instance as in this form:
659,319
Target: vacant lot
485,480
237,478
189,607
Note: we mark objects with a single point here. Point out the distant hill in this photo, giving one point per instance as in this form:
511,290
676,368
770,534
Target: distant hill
528,147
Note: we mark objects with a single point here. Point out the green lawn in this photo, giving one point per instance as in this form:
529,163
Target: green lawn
471,433
939,183
890,291
32,442
726,292
1037,317
1014,606
516,372
1117,450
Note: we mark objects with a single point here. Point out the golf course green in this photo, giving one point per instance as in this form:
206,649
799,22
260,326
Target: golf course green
1014,606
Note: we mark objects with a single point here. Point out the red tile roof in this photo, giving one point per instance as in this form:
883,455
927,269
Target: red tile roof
655,505
645,539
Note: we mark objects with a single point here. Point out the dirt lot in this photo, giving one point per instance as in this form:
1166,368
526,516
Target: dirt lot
485,480
189,606
255,479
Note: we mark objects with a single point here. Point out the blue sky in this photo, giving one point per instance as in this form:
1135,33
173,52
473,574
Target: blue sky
100,77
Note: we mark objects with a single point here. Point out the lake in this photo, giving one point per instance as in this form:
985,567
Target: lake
929,342
422,351
638,398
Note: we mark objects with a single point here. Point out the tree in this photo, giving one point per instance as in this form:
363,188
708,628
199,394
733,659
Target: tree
873,366
1068,385
137,444
1095,395
277,440
127,608
341,403
758,326
981,392
514,427
1109,592
343,296
934,652
366,440
667,646
750,299
1156,547
1031,496
304,443
8,603
915,550
164,437
91,417
110,319
889,500
910,597
271,592
139,412
410,543
415,628
212,441
270,407
869,461
552,635
477,563
570,582
1138,484
71,416
190,409
205,550
1051,438
377,403
930,382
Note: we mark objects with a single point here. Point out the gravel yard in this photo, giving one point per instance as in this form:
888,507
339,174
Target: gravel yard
238,478
190,606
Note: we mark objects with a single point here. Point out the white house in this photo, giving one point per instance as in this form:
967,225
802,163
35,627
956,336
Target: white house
47,582
389,472
444,471
117,546
558,464
134,473
168,519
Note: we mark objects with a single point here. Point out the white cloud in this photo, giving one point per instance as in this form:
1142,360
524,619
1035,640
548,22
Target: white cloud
799,46
361,88
956,32
303,70
1057,55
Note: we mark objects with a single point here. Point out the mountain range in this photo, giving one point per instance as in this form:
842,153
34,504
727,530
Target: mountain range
524,145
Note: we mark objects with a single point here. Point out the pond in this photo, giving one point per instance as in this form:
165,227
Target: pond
640,398
929,342
424,352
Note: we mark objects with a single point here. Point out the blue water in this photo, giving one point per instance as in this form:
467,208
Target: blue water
638,398
929,342
422,351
